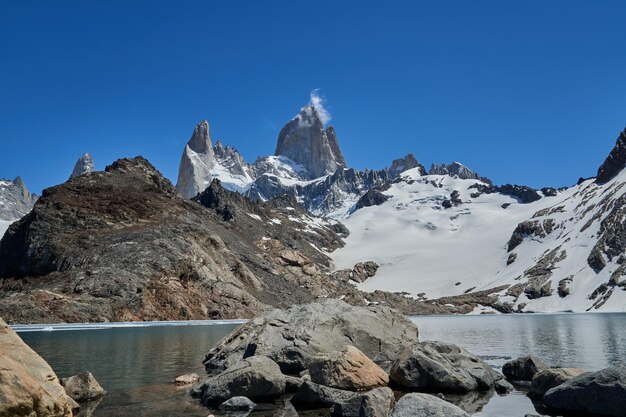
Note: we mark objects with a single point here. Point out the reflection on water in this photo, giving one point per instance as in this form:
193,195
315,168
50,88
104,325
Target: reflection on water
135,365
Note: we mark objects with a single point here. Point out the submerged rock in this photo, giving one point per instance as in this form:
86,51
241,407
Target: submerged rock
348,369
602,393
523,368
294,336
425,405
83,387
442,367
257,378
187,379
28,386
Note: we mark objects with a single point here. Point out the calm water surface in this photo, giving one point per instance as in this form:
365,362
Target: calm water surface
135,365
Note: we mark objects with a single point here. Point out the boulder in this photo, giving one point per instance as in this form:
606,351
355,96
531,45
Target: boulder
311,394
83,387
28,386
187,379
347,369
502,386
523,368
441,367
425,405
257,378
375,403
237,404
550,378
294,336
601,393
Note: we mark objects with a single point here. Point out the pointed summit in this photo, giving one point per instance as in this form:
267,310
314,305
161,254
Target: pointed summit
83,166
194,173
305,141
615,162
398,166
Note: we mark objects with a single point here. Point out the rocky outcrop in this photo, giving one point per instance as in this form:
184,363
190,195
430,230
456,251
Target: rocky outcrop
293,337
348,369
550,378
523,368
456,169
441,367
597,393
522,193
373,197
194,173
83,387
84,165
425,405
28,386
123,245
398,166
256,377
375,403
305,141
615,162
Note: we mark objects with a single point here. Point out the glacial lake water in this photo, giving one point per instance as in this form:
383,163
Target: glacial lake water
135,364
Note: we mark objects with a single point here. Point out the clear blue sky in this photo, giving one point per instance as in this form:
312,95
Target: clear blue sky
530,92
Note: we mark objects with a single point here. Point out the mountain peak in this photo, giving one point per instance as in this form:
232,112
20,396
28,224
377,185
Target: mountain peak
305,141
194,173
400,165
615,162
84,165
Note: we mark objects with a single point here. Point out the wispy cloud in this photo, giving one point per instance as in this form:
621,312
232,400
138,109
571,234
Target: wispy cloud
317,101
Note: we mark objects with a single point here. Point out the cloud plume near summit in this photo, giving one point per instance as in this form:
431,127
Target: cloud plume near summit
317,101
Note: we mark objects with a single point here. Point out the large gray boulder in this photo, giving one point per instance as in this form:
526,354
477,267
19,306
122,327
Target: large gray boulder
550,378
294,336
83,387
523,368
441,367
375,403
425,405
601,393
237,404
257,378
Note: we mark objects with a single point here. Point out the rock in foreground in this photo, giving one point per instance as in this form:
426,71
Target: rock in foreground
83,387
442,367
601,393
550,378
425,405
294,336
28,386
257,378
523,368
348,369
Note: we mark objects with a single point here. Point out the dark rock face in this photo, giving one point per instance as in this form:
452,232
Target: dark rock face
523,369
523,230
398,166
257,378
83,166
615,162
312,394
611,241
373,197
441,367
293,337
425,405
375,403
123,245
305,141
15,199
598,393
524,194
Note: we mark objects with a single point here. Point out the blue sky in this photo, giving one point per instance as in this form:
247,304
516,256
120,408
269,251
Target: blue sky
529,92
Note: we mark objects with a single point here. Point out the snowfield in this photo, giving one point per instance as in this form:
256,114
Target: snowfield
425,249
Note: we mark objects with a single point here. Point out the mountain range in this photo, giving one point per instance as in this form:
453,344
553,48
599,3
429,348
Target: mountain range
233,238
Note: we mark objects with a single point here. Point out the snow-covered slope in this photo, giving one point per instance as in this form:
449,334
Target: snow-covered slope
430,251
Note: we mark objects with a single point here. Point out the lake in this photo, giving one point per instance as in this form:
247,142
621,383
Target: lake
136,364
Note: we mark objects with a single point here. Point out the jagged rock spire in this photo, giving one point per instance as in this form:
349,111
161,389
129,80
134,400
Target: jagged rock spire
194,173
305,141
400,165
615,162
83,166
